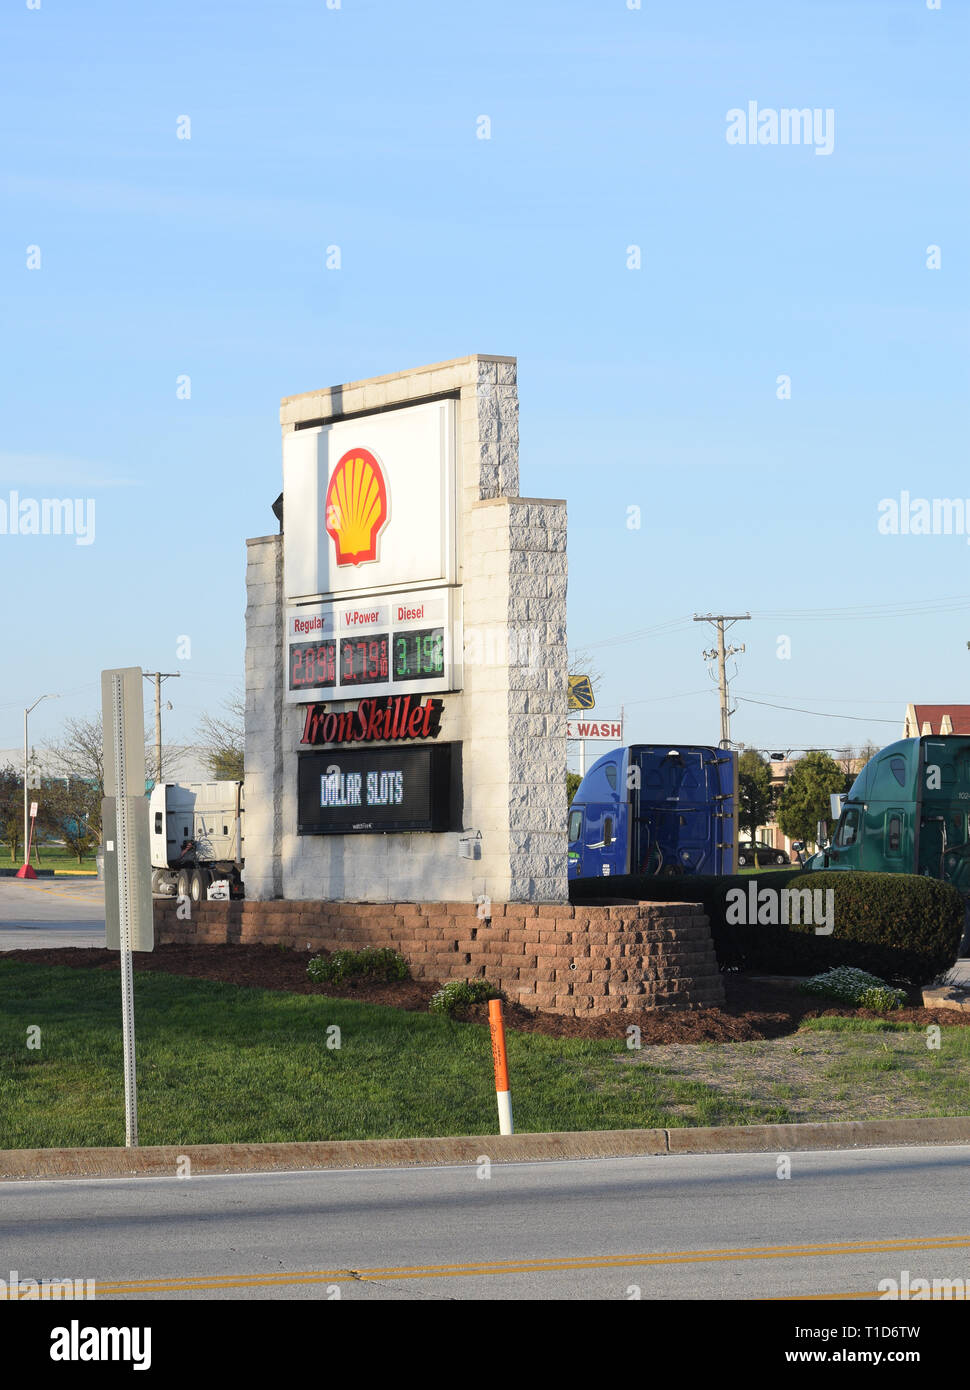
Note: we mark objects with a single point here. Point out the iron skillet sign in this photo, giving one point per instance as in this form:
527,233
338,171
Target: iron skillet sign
373,721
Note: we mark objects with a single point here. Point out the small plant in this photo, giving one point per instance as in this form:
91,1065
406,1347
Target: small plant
856,987
460,994
378,963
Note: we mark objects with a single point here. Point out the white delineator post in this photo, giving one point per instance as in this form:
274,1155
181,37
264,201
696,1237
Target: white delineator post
502,1093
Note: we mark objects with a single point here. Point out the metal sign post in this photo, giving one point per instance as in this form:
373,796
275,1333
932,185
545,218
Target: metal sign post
127,868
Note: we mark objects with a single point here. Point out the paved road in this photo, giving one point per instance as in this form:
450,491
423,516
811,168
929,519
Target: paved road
723,1227
62,911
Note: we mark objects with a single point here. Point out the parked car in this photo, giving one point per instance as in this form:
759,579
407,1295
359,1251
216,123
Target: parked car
767,854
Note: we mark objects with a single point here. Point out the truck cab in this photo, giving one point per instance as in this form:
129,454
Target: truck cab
658,809
907,812
196,839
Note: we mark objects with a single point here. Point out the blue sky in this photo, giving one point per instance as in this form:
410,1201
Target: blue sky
653,388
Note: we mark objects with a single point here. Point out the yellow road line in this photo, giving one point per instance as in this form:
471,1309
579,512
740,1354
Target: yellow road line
188,1283
74,897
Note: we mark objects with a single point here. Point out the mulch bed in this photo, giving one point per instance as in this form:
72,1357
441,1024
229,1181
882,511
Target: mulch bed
754,1010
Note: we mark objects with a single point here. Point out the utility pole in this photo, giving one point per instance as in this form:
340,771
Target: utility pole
158,677
722,654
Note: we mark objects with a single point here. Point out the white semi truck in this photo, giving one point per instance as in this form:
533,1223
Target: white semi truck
196,836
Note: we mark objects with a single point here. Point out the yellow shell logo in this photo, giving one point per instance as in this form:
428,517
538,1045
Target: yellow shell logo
356,507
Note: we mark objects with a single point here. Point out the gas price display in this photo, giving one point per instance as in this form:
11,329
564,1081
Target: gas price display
313,665
363,660
419,655
382,645
368,660
376,790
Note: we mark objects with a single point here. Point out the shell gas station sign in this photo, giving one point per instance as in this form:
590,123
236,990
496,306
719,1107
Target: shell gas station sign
370,504
371,560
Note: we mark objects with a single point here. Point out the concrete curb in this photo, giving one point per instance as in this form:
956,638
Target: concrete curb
163,1161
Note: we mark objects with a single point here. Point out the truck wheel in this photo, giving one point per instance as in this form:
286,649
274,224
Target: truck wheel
200,884
183,884
156,883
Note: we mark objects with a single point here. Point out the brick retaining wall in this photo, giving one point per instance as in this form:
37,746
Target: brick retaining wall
562,959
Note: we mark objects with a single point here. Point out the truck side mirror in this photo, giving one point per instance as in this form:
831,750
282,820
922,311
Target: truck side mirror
822,833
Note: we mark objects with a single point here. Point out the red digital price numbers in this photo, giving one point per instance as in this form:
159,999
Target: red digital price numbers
364,660
313,665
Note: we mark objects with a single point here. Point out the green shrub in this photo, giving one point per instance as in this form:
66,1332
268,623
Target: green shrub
903,927
856,987
372,963
459,994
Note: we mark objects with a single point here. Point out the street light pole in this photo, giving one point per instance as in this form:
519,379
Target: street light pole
26,758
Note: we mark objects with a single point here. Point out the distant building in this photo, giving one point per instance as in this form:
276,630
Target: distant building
771,834
936,719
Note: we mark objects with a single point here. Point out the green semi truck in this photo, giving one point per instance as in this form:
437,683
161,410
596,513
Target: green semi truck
907,812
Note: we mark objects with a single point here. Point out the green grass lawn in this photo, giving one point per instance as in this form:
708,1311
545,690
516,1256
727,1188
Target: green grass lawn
218,1063
56,857
835,1069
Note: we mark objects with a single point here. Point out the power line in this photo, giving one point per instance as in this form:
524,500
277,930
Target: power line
911,609
830,699
820,714
669,626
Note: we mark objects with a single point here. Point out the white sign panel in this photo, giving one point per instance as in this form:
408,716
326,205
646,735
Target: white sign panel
606,730
394,644
369,505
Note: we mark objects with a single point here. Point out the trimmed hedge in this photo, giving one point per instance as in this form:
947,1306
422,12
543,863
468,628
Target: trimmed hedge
903,927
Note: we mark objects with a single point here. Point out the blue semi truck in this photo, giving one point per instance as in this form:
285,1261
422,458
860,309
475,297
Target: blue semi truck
656,808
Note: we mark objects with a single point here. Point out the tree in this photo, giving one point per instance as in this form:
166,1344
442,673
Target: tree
573,780
582,664
78,756
80,752
755,795
222,741
804,799
70,808
846,759
868,751
11,809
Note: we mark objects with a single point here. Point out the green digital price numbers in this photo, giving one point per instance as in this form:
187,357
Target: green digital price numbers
419,655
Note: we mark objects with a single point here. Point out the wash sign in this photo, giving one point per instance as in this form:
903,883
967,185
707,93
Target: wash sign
610,730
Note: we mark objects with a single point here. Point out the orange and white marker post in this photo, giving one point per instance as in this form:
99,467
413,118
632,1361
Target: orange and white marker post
502,1093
